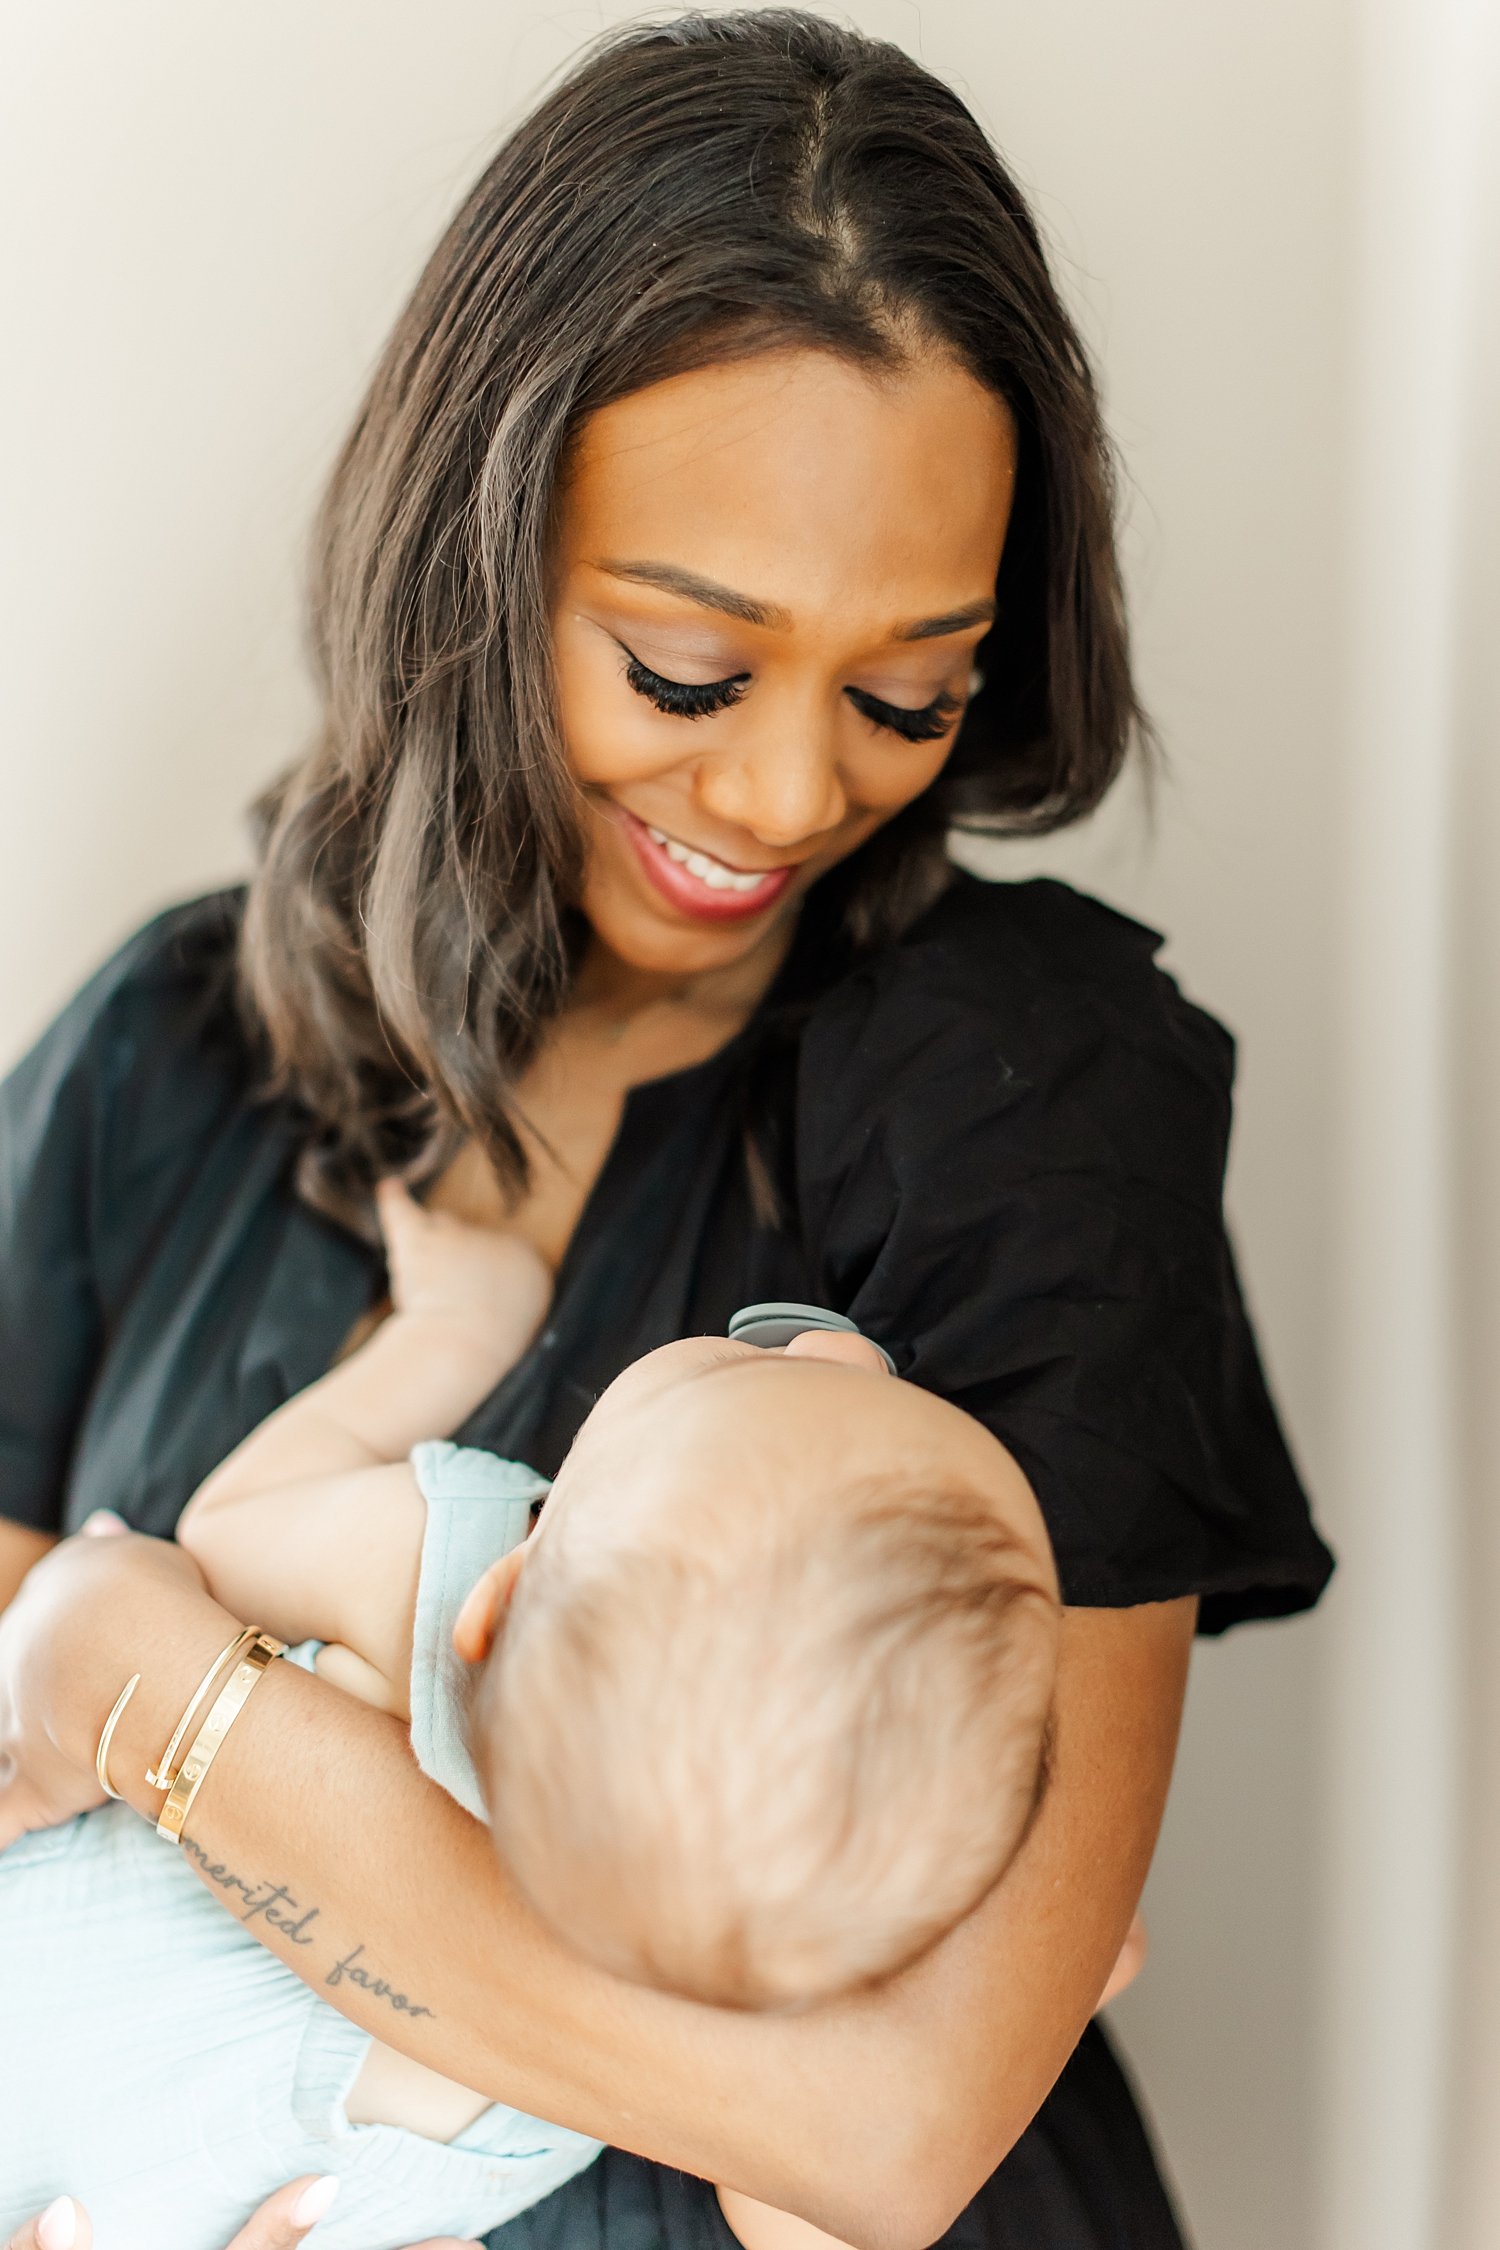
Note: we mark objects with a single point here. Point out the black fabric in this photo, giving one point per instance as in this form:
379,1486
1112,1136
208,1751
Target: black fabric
1082,2177
998,1145
1001,1147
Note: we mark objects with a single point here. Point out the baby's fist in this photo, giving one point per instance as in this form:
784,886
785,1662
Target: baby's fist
491,1283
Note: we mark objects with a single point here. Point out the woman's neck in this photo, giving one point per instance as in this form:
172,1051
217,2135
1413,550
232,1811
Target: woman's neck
617,991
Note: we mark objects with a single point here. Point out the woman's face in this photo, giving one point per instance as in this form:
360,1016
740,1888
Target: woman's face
769,582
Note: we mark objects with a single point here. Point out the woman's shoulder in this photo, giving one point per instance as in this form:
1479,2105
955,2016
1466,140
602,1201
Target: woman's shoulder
1005,946
180,961
1010,1144
175,974
1027,997
148,1051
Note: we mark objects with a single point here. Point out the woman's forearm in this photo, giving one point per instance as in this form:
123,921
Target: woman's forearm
875,2118
430,1949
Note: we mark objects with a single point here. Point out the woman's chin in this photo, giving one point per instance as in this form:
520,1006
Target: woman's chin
658,948
655,941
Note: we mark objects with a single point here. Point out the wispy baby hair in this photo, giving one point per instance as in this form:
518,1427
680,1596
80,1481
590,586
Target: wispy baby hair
763,1776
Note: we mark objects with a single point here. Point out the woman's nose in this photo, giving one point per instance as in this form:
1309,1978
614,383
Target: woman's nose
780,788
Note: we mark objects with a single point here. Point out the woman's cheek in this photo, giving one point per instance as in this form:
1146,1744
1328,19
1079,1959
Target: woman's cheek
882,779
611,734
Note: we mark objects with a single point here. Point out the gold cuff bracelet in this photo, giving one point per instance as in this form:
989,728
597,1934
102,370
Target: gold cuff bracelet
101,1755
227,1706
164,1772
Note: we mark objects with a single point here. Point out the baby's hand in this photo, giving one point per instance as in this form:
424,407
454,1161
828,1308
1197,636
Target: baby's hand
492,1284
1130,1964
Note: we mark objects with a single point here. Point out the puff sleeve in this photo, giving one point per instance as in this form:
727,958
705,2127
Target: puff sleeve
96,1125
1011,1140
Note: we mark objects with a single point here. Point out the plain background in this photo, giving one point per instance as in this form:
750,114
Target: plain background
212,215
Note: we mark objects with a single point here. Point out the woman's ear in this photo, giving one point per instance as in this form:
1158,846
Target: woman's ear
488,1599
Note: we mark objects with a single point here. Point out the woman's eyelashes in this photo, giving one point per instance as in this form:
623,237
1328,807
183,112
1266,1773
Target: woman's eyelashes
923,725
686,699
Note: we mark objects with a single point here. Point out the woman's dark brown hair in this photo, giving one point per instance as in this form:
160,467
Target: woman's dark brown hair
710,187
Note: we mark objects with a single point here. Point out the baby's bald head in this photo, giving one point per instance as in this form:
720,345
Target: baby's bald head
768,1715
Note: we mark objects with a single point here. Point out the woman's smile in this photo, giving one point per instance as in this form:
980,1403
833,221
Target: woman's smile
769,581
653,585
698,883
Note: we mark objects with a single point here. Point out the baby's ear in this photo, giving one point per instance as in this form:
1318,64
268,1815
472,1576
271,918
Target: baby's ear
488,1599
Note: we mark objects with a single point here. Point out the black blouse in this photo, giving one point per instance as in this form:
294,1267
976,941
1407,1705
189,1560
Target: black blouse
999,1145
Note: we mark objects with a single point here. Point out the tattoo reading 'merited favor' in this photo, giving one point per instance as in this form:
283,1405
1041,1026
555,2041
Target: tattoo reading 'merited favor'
351,1968
273,1900
283,1912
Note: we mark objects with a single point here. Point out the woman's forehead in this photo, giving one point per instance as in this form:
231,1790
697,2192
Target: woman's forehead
795,478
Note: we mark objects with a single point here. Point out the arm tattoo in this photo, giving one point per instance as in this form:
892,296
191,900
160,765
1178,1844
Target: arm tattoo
285,1913
351,1968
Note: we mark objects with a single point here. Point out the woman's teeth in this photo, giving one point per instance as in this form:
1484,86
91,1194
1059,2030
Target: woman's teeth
713,872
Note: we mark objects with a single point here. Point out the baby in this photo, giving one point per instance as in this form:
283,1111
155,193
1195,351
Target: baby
766,1717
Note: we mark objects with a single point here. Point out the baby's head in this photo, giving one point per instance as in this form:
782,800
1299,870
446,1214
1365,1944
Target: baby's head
768,1709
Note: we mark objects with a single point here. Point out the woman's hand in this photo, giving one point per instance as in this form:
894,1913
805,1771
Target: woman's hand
282,2221
46,1758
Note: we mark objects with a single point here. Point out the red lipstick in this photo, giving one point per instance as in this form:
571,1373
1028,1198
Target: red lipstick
698,884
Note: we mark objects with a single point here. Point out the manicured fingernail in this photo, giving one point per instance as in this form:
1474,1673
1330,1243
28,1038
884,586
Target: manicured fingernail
57,2228
315,2201
102,1523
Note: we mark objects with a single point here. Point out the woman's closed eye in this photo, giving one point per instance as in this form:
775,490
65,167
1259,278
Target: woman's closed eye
692,699
685,699
924,724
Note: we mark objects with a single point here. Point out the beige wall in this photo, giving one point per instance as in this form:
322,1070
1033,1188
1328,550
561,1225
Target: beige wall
214,214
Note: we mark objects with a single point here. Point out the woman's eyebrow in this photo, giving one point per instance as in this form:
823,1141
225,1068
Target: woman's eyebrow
671,578
953,621
705,591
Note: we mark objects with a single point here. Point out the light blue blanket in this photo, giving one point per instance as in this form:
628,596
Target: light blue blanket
158,2063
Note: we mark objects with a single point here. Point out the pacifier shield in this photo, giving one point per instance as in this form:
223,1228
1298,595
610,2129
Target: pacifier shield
772,1325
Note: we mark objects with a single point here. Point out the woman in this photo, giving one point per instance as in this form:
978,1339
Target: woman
729,515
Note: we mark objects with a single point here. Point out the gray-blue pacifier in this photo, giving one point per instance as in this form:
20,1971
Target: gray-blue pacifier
770,1326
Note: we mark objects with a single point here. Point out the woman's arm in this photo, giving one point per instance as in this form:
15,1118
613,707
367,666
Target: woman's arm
877,2118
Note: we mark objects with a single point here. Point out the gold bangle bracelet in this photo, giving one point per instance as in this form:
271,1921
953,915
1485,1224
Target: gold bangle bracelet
101,1755
164,1773
227,1706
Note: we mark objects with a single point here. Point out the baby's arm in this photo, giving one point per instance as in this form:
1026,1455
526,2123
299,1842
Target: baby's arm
313,1526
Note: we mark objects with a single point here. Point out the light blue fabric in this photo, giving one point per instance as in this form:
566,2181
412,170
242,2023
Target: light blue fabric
478,1507
157,2062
